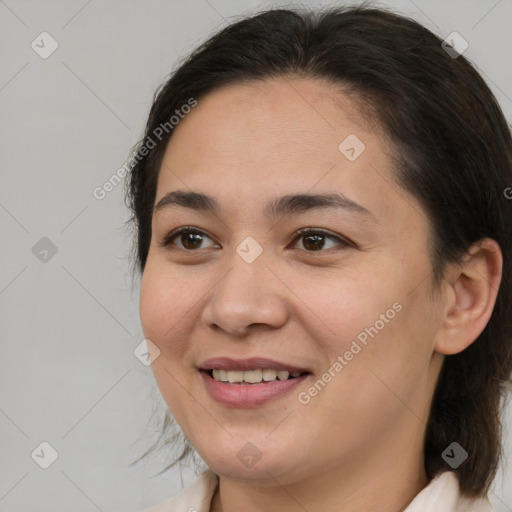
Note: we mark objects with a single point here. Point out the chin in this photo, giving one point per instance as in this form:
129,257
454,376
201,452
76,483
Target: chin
250,463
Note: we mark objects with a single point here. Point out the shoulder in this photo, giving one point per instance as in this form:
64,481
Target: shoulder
195,497
443,494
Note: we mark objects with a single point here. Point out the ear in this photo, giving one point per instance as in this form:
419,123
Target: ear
470,293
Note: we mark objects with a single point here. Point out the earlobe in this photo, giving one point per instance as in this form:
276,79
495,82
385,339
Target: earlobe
472,291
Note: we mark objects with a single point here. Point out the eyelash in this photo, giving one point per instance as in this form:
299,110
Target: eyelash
167,240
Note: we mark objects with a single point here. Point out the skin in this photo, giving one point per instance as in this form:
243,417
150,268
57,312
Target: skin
358,444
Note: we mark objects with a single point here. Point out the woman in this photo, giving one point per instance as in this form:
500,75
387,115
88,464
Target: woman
321,213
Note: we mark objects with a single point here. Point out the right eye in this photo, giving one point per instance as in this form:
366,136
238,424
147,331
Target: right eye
189,237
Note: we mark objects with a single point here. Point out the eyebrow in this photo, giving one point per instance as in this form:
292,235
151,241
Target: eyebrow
281,206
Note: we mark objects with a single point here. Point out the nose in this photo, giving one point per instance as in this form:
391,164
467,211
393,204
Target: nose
248,294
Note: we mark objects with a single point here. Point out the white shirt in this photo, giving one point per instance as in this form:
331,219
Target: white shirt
442,494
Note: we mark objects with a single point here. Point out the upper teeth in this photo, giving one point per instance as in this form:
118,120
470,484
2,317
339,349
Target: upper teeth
252,376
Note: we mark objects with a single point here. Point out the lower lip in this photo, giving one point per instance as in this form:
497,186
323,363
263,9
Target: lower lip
248,395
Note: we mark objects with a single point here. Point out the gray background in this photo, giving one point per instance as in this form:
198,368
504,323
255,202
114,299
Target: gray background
70,324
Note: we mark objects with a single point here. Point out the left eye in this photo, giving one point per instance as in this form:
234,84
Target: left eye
317,238
313,239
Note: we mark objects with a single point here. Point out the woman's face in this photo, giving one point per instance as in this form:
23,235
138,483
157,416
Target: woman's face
351,306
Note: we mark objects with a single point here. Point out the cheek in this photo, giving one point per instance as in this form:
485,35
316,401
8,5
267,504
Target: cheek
390,372
380,329
164,303
165,311
343,306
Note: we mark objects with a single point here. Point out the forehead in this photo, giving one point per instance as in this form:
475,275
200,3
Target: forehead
281,109
246,143
280,127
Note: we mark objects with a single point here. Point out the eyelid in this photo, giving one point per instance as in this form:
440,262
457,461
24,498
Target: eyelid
343,241
313,230
166,242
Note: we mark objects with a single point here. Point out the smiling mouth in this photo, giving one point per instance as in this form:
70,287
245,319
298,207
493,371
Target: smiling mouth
256,376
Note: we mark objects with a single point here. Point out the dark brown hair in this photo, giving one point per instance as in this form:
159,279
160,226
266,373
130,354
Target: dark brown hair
452,151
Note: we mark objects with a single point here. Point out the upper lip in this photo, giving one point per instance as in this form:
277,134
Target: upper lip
252,363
